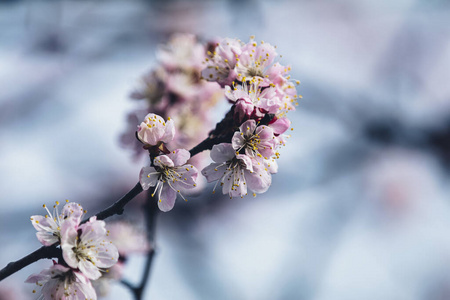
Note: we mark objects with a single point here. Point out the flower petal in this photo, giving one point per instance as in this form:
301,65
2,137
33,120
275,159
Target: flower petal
179,156
166,198
222,152
248,127
148,177
214,171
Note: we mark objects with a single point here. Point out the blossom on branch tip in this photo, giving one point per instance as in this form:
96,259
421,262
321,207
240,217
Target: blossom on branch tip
49,226
59,282
236,172
86,248
170,175
154,130
256,141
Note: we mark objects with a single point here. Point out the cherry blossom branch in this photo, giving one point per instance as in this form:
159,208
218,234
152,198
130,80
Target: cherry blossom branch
53,252
220,134
117,208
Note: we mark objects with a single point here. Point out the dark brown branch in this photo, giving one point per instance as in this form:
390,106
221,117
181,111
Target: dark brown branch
151,211
43,252
117,207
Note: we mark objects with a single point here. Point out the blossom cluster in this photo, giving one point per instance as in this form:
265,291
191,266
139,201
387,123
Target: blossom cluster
86,253
174,88
170,173
260,91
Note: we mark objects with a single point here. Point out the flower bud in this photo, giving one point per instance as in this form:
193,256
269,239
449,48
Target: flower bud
154,130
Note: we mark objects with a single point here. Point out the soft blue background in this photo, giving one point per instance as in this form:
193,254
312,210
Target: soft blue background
346,217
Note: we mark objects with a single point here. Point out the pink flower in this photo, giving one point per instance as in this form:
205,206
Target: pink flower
127,238
170,175
287,96
236,172
279,126
221,62
49,226
181,52
257,141
255,62
251,101
154,130
86,248
61,283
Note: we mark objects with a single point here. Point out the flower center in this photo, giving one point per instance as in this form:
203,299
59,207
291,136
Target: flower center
252,142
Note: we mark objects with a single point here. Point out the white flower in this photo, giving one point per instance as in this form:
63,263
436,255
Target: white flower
170,175
86,248
59,282
154,130
49,226
236,172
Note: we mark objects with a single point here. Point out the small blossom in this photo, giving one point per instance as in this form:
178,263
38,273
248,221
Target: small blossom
257,141
236,172
251,101
222,61
154,130
86,247
170,175
181,52
127,238
256,61
59,282
49,226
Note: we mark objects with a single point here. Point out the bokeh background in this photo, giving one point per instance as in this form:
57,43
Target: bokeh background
360,207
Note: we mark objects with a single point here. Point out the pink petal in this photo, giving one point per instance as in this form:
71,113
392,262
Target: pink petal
248,127
163,160
280,125
214,171
222,152
169,132
74,211
179,157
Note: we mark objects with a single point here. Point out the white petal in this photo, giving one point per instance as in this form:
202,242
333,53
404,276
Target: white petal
88,269
167,198
237,141
148,177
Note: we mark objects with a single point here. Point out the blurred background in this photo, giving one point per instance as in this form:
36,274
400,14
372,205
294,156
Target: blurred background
360,206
